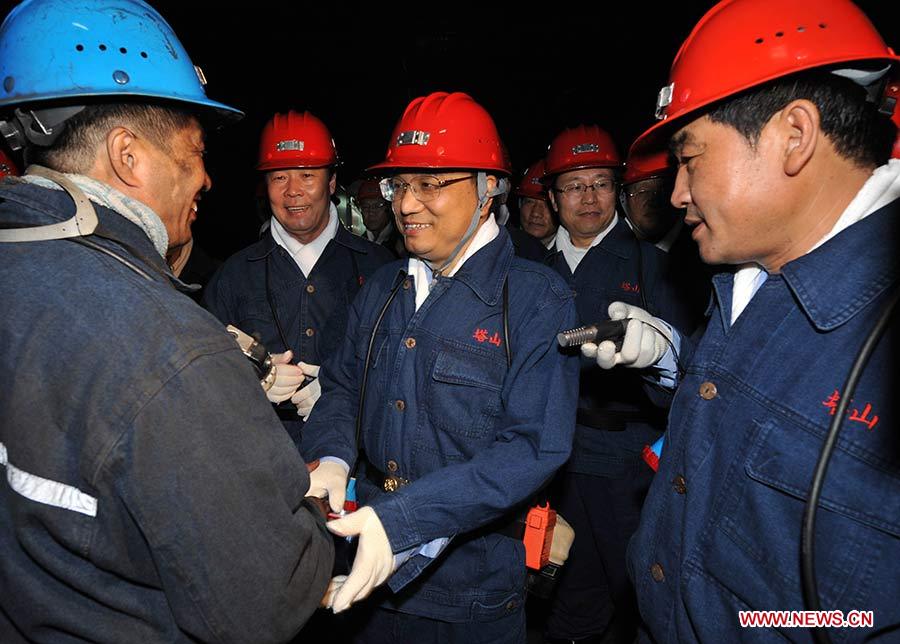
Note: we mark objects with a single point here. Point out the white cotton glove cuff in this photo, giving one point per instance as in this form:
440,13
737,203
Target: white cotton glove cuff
306,398
287,378
563,536
646,340
374,561
329,479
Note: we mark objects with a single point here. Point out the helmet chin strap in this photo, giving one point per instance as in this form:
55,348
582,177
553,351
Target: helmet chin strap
484,195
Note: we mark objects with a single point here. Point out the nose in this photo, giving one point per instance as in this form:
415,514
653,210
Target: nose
589,190
681,193
407,204
294,186
207,182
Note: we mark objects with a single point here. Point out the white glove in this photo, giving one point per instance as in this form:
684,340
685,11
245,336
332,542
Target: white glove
333,586
329,479
563,536
306,397
374,560
287,377
646,340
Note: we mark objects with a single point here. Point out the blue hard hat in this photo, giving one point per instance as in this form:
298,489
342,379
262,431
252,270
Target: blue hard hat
55,50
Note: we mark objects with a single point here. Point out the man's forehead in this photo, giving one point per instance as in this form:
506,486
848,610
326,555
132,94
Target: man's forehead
689,134
588,174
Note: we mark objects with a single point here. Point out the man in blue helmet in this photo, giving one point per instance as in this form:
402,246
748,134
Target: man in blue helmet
150,493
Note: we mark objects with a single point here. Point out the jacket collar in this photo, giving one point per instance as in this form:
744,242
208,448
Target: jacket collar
344,237
836,281
485,271
843,276
619,241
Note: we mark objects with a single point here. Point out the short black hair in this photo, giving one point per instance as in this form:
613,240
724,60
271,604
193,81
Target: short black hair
74,150
858,131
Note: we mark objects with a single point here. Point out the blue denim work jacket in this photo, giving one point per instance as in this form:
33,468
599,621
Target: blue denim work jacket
720,529
312,312
619,268
118,388
475,438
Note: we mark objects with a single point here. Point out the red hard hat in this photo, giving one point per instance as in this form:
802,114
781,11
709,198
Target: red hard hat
368,189
295,140
585,146
740,44
8,167
445,131
647,165
531,185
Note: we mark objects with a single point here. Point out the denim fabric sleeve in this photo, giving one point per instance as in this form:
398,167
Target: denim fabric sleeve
533,439
217,488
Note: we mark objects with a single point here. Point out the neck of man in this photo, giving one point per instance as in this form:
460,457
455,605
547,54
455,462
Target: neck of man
818,204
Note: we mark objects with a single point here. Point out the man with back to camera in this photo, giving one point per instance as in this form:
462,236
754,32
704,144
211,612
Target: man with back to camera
150,494
783,168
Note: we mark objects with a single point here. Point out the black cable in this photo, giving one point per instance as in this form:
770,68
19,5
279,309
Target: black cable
808,532
365,375
506,322
271,302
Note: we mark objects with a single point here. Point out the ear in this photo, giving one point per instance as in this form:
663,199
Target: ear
126,155
332,183
491,182
801,124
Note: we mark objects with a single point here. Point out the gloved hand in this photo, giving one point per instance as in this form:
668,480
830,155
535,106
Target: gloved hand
329,479
333,586
646,340
374,560
308,395
287,377
563,536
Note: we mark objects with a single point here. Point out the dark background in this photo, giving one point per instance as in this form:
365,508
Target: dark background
356,66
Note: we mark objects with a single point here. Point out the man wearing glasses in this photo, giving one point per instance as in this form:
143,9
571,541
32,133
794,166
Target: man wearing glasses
605,481
646,186
293,287
465,404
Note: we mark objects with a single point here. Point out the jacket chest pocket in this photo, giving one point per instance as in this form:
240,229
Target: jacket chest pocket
757,539
463,398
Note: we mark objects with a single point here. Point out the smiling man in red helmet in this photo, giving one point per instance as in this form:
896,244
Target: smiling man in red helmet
465,403
294,285
783,168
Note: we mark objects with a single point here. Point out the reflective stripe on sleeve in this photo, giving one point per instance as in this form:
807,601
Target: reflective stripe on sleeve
46,491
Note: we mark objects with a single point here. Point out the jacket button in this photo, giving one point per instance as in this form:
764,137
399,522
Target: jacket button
310,332
406,284
656,572
510,605
708,391
410,343
679,484
392,466
310,288
400,405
